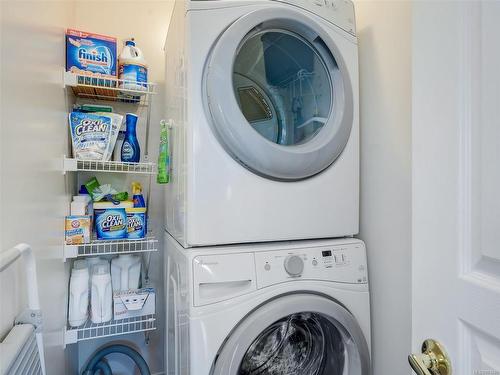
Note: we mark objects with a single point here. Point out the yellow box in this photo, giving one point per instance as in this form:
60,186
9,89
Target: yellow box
77,230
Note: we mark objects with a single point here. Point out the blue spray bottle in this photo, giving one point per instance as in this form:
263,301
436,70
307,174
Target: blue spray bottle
131,152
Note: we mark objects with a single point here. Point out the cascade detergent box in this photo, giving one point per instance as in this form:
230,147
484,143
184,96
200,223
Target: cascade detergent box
92,55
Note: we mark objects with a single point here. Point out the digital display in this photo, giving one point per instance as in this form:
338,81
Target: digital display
327,253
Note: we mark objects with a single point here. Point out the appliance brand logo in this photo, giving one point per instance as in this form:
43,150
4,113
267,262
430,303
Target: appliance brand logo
202,262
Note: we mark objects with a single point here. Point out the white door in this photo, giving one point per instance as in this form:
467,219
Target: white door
456,181
279,93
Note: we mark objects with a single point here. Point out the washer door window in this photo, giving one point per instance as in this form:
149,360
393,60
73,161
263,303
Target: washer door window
279,94
281,338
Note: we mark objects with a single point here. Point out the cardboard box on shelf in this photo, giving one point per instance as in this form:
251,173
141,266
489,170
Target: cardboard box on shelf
134,303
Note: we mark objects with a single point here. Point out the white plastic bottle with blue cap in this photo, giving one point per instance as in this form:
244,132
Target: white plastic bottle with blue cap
133,71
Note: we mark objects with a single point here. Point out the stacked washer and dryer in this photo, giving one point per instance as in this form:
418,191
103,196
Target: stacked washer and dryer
263,275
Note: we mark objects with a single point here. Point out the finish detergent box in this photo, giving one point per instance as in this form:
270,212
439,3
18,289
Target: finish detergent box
91,54
110,223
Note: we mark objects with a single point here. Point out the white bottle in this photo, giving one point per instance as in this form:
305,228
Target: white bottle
125,272
78,294
88,200
101,297
79,206
92,261
133,69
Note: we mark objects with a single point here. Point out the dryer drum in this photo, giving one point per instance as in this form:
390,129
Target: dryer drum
304,343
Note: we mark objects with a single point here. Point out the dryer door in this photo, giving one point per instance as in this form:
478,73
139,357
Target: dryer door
284,337
279,94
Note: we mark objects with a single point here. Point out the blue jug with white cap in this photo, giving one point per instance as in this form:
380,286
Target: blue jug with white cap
131,152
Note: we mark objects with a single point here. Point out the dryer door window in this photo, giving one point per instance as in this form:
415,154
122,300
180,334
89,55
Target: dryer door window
282,338
282,86
279,94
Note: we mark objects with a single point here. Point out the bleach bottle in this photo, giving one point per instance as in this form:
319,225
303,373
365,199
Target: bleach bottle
133,69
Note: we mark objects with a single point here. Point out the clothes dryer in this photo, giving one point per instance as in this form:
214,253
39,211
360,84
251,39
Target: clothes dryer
263,98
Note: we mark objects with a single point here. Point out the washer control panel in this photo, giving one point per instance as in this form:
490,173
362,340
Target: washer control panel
342,263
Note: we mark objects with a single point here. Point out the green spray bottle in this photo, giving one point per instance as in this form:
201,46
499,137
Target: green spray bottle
163,176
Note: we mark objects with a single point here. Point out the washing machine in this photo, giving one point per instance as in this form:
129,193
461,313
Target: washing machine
295,308
262,98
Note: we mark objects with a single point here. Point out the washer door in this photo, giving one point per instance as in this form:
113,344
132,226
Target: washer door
279,94
281,337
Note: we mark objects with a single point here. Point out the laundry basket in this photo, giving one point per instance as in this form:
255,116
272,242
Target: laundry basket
21,352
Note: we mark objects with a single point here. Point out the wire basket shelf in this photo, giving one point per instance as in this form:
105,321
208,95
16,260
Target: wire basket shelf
101,247
109,89
74,165
90,330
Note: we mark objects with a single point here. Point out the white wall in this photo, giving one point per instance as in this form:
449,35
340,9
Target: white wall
33,198
384,29
33,139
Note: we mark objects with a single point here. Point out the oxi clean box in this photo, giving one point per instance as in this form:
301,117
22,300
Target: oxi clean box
91,54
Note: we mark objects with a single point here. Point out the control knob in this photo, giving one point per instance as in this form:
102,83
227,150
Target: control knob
294,265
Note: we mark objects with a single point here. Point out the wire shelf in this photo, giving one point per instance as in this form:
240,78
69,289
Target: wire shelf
90,330
100,247
109,89
73,165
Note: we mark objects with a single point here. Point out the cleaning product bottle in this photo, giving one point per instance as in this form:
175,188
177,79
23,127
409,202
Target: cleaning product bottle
78,294
131,152
79,206
101,297
163,176
91,262
133,68
85,195
125,272
137,192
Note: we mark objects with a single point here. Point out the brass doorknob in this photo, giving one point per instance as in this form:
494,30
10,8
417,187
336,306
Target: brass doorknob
432,361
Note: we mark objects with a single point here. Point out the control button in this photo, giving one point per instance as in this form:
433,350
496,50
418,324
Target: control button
294,265
267,267
315,262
